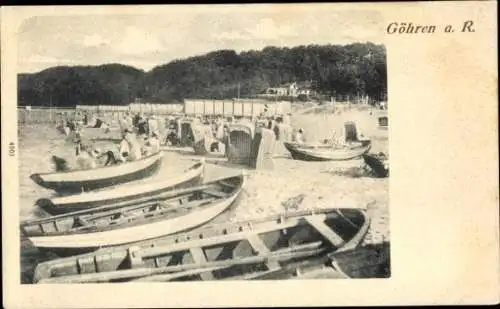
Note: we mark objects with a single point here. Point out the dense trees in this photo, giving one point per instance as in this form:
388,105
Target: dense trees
355,69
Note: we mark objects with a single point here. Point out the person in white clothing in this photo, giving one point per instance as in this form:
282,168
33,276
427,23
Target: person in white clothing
152,144
135,152
84,159
299,136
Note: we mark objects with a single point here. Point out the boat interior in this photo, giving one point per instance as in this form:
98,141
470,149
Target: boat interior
109,217
235,251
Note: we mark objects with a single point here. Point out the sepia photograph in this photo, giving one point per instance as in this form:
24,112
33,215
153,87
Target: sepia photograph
240,155
190,146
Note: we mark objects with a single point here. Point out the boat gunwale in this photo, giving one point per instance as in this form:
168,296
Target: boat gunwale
159,154
60,201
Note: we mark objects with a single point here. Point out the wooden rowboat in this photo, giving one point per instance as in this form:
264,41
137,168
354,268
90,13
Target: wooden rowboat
325,152
376,164
112,225
126,193
87,180
254,249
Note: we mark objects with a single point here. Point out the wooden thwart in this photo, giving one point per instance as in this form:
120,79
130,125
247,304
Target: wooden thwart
319,224
216,193
169,277
261,248
199,258
166,207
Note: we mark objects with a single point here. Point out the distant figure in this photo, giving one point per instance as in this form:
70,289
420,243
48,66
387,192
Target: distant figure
71,125
112,158
98,123
299,136
152,124
60,164
134,147
84,158
172,137
152,144
123,148
335,140
124,124
142,126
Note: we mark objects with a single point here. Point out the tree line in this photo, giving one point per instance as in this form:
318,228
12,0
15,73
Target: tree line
355,69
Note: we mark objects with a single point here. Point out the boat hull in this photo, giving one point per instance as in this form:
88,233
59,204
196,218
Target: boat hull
223,243
88,180
299,152
376,165
65,243
123,193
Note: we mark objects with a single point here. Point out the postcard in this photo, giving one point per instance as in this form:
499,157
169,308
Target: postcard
242,155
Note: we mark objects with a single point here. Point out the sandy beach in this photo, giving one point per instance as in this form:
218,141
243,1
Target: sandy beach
342,184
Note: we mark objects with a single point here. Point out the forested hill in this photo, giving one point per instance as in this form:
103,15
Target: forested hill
69,86
351,69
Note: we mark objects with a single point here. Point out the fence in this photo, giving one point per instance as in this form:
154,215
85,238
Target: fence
146,108
111,113
37,115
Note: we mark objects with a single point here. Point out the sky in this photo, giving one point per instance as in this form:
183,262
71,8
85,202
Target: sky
148,40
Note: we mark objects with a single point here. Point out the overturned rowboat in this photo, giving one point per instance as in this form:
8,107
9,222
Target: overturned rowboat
87,180
377,164
112,225
306,152
254,249
129,193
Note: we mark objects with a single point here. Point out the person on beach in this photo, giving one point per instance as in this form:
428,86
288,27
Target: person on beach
335,140
172,138
61,165
152,144
123,147
152,124
85,160
134,147
142,126
299,136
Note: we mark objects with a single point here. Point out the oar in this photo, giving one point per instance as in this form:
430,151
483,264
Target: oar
168,277
198,271
280,255
180,274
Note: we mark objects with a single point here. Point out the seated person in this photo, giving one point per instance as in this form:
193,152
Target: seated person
152,144
60,164
85,160
299,136
172,138
123,147
336,141
134,147
112,158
